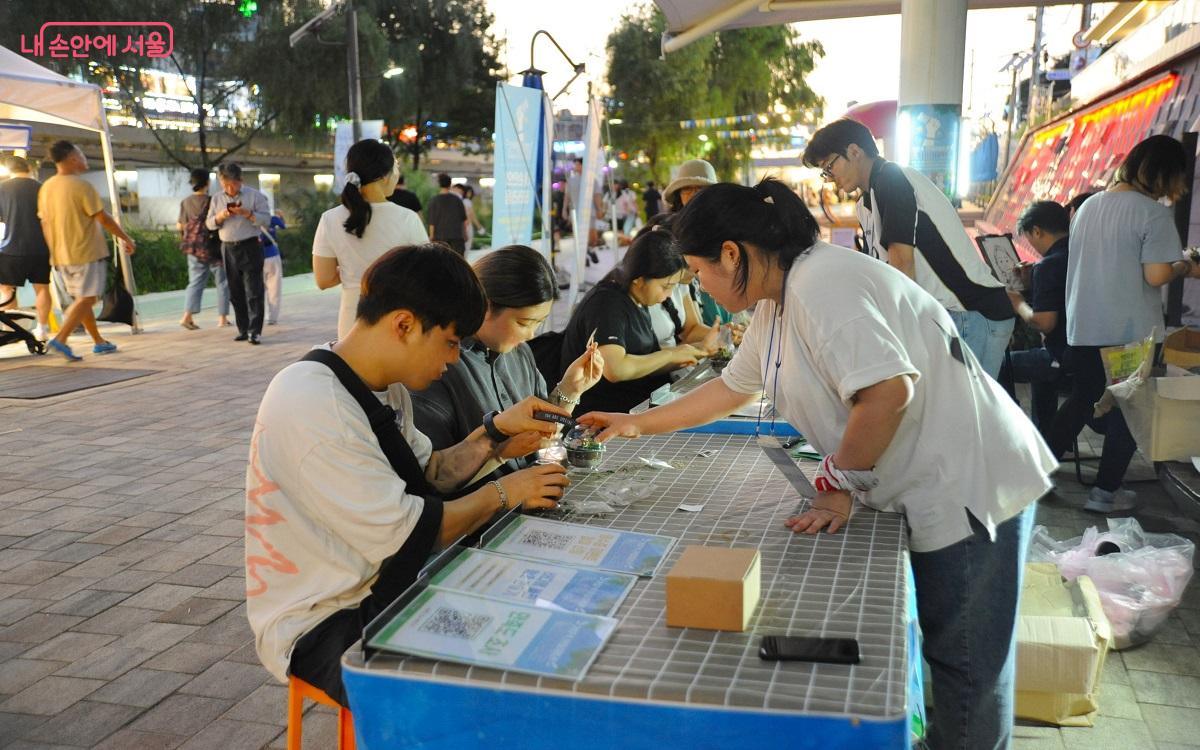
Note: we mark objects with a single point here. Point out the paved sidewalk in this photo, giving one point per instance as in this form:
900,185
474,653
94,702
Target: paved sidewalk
122,622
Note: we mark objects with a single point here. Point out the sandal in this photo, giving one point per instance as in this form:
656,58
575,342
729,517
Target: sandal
189,325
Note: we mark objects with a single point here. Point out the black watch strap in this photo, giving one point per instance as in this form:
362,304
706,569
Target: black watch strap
489,426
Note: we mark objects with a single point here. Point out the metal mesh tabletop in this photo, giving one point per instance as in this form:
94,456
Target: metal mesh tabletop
851,584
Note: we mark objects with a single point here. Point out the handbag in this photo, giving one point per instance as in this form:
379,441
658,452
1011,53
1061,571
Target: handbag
199,240
117,301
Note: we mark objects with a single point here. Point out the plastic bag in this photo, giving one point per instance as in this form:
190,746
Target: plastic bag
1140,576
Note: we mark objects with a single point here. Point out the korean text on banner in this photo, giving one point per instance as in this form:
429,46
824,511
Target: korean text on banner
518,116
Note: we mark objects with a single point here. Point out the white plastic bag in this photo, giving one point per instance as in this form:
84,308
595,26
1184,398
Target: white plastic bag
1140,576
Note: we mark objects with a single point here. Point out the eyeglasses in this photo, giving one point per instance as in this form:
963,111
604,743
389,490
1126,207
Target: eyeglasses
826,171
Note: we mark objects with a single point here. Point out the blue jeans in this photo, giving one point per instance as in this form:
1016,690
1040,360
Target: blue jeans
198,272
967,597
1038,368
986,338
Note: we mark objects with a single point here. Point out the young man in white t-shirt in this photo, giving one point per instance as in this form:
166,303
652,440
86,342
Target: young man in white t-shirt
344,507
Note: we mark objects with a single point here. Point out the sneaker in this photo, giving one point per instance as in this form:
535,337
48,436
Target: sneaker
1103,501
56,346
104,347
41,333
254,339
240,337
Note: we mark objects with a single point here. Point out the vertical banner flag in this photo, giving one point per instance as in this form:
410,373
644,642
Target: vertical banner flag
518,117
589,184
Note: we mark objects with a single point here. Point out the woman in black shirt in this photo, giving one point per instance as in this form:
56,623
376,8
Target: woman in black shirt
616,310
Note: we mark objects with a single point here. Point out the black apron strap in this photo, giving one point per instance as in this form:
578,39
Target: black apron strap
383,423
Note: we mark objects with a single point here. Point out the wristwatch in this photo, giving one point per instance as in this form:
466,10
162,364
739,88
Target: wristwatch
489,426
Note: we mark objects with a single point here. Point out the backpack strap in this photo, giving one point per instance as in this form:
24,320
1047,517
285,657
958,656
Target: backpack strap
382,419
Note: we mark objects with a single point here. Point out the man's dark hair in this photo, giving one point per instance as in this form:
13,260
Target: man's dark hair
650,184
1048,216
1074,204
443,180
61,151
578,160
230,170
516,276
431,281
16,164
836,137
198,179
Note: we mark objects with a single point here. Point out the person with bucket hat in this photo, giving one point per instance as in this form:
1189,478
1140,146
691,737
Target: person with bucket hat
693,175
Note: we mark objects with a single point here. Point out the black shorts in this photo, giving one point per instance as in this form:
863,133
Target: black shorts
15,270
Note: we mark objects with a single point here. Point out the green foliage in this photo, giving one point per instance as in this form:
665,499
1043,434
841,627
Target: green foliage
244,65
736,72
158,264
451,67
303,209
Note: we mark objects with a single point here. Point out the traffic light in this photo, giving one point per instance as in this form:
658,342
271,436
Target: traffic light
247,7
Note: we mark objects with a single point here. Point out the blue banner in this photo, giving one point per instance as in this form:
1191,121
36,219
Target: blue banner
518,117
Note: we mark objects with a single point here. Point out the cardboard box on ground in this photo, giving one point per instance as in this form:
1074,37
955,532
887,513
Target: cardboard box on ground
1063,637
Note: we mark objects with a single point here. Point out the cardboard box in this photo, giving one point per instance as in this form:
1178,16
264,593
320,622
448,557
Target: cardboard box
715,588
1164,416
1182,348
1063,637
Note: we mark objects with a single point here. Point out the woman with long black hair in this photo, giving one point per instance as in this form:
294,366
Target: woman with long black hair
870,368
351,236
496,368
615,314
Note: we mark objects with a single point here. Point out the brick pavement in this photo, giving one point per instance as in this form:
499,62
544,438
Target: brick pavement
122,622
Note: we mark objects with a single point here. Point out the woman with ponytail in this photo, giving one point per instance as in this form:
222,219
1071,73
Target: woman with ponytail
617,312
870,368
351,236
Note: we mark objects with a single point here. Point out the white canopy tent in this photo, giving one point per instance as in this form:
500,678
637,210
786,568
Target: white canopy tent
33,94
688,20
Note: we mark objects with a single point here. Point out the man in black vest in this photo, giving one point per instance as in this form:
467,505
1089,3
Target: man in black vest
344,495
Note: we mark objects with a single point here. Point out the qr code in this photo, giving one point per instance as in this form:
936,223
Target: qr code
451,622
547,540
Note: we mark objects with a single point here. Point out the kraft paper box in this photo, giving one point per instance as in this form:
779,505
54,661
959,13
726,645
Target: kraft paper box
1182,348
1063,637
1164,416
714,588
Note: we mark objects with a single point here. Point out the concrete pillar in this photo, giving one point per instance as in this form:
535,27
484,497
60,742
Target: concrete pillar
933,37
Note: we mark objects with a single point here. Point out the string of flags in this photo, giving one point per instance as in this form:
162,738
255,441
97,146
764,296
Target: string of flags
713,122
752,133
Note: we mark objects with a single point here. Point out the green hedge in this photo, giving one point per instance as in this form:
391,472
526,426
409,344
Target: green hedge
160,266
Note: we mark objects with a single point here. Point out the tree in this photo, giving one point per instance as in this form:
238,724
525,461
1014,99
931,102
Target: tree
737,72
450,72
229,62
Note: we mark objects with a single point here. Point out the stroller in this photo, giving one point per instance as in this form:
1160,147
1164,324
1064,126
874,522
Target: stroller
12,330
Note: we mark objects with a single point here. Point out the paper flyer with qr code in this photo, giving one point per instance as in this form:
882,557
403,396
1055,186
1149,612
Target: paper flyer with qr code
593,592
583,546
479,631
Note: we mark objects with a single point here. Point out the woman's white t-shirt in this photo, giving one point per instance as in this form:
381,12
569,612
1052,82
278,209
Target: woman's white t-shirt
390,226
664,326
849,322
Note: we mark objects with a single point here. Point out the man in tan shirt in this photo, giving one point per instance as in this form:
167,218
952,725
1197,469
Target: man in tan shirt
72,215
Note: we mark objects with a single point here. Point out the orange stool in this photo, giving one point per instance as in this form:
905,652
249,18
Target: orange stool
298,690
